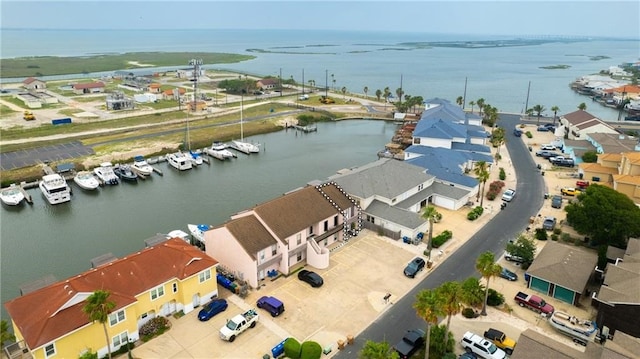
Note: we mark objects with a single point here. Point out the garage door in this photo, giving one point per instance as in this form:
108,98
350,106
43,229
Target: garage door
564,294
539,285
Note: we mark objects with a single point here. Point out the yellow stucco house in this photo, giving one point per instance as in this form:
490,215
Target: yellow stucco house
620,171
156,281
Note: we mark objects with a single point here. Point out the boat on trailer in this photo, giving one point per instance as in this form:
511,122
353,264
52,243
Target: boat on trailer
581,331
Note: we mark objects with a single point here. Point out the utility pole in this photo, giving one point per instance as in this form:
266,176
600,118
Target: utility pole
303,81
464,94
280,78
526,104
326,83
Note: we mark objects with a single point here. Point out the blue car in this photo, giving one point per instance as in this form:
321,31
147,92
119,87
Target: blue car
211,309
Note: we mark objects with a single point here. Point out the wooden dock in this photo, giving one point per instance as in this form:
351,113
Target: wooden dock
27,196
306,129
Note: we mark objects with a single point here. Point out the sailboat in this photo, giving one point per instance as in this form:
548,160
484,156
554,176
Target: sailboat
244,147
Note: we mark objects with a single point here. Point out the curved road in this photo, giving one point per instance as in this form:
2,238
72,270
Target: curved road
460,265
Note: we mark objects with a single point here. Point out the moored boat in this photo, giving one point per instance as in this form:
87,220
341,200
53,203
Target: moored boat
105,173
125,173
55,189
12,195
179,161
141,165
86,180
197,231
245,147
196,158
219,151
581,331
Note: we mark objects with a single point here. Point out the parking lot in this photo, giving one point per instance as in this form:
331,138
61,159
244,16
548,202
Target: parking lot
360,274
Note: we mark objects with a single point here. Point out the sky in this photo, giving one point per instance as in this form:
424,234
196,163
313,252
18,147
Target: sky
569,18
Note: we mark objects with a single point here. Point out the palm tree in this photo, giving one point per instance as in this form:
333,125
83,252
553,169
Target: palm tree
431,214
386,94
481,172
6,335
487,266
428,306
375,350
344,91
452,295
365,90
498,138
97,308
472,103
333,80
459,101
473,292
399,93
538,109
555,110
480,103
582,106
378,94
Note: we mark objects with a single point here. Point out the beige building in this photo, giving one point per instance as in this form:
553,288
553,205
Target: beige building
621,171
579,123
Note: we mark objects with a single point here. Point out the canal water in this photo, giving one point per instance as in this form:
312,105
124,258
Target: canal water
40,239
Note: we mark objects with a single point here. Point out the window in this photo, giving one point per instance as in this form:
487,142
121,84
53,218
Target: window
299,258
326,226
120,339
335,220
299,238
205,276
117,317
157,292
50,350
174,286
261,255
274,249
311,230
421,187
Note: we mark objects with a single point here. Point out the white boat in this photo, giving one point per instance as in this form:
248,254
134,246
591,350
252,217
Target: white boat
86,180
219,151
581,331
245,147
179,161
197,231
179,234
196,158
140,164
12,195
105,173
55,189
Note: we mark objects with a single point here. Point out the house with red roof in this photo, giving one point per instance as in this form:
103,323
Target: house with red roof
160,280
88,87
33,83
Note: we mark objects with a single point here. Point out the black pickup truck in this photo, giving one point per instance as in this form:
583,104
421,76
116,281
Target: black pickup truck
410,343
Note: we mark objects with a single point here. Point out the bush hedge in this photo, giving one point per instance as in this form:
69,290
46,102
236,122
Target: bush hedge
310,350
475,213
292,348
468,313
441,238
529,134
154,327
541,234
503,174
494,298
494,189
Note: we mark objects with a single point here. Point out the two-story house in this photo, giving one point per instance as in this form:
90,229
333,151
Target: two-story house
621,171
579,123
285,233
171,276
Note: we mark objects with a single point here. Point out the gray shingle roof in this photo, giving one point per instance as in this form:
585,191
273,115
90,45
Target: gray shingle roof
251,234
386,177
567,266
394,214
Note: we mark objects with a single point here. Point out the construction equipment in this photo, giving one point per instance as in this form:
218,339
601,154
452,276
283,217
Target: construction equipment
326,100
29,116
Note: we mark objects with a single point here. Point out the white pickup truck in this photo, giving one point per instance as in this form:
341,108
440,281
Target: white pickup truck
238,324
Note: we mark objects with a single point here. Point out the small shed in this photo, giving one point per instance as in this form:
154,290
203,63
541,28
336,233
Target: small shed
562,271
33,83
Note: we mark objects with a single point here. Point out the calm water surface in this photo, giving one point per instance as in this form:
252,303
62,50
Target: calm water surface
61,240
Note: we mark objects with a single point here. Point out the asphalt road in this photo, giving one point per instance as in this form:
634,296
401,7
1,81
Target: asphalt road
493,237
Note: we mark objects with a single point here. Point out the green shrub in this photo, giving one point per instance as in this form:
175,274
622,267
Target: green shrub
566,237
310,350
541,234
491,195
441,238
154,327
557,231
292,348
88,355
503,174
554,237
494,298
529,134
123,349
475,213
468,313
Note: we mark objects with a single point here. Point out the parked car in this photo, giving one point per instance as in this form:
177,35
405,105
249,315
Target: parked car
582,184
549,223
412,341
312,278
548,147
466,355
543,129
211,309
512,258
473,343
570,191
508,275
556,201
271,304
500,340
547,154
508,195
517,132
416,265
563,162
